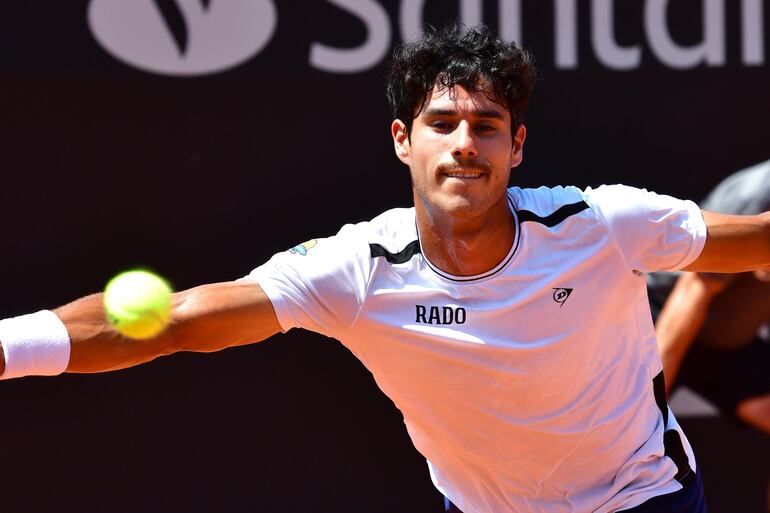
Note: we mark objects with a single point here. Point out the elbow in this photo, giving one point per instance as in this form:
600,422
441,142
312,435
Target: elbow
179,321
188,328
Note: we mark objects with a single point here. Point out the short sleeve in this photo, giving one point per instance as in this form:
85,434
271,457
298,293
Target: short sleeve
654,232
318,285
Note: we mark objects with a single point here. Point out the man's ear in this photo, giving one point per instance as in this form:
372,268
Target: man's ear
517,151
401,141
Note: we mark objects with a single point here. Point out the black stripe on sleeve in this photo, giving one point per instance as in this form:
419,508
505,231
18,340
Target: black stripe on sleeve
401,257
557,217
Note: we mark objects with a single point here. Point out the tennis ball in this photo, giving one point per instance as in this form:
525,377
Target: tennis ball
138,303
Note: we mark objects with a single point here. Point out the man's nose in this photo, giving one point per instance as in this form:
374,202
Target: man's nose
464,145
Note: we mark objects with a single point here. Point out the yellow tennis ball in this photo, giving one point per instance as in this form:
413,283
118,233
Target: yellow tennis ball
138,303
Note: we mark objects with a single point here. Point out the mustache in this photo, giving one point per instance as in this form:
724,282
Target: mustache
464,165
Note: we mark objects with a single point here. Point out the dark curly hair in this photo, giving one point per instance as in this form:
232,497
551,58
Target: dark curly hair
472,58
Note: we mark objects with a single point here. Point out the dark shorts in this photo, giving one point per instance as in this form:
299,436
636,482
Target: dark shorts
689,499
724,377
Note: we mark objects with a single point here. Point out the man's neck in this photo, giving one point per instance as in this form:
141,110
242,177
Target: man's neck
466,247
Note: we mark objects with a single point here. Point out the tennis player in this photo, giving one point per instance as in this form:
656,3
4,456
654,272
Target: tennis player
510,326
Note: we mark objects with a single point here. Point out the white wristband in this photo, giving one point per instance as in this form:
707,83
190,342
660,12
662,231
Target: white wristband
34,345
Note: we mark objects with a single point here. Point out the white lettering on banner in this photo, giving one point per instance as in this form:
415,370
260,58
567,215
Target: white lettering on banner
182,37
194,37
711,51
566,34
607,50
509,12
368,55
752,18
411,16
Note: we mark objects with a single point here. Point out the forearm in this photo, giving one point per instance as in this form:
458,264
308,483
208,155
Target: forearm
206,318
734,244
220,315
681,319
74,338
95,346
203,319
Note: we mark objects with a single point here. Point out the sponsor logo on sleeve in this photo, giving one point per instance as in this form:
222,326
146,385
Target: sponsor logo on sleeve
302,249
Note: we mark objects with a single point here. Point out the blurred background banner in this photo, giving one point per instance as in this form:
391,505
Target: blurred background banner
199,137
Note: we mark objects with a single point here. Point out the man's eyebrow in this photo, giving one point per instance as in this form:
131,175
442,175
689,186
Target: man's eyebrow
491,114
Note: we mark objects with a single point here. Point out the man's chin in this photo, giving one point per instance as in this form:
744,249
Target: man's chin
461,207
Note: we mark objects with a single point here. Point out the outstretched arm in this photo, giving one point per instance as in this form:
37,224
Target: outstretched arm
734,244
204,319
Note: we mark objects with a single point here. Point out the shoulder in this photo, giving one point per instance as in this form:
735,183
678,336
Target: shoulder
547,205
564,201
615,194
393,229
392,234
624,202
544,199
396,225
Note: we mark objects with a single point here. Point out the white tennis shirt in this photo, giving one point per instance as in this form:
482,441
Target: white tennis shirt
530,387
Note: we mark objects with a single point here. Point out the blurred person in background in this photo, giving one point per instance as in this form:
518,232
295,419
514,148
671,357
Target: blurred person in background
713,329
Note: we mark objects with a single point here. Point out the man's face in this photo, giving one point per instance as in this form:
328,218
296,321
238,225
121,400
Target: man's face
460,153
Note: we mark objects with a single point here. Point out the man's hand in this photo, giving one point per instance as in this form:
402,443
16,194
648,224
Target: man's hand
206,318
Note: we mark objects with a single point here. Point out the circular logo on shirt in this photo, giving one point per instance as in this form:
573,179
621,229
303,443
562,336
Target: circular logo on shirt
561,295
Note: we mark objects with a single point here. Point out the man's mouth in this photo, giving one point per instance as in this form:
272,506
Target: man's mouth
471,170
462,174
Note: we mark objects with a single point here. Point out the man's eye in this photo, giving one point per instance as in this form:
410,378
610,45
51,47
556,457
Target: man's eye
487,128
441,125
